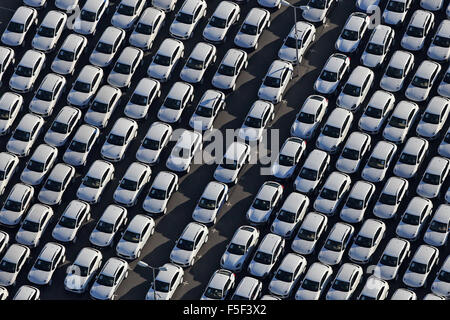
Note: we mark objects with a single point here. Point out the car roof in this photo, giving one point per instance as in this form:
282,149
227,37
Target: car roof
84,132
191,230
25,292
442,213
403,109
334,62
242,235
8,99
88,73
419,18
258,108
436,104
14,252
312,103
395,246
379,99
162,180
400,58
18,191
135,171
413,145
111,266
426,69
112,213
168,46
302,27
339,231
255,15
138,223
423,253
436,165
157,129
245,286
74,208
219,279
28,122
19,14
444,28
49,251
72,41
346,271
358,75
60,171
128,55
379,34
416,205
269,243
315,159
372,286
354,21
291,146
235,150
93,5
290,262
36,212
382,149
145,86
189,6
293,202
212,190
356,140
224,8
210,97
369,227
337,117
5,159
149,15
122,125
393,185
85,256
30,57
335,180
277,68
97,169
232,56
360,189
187,138
66,113
267,190
166,272
52,18
50,81
178,90
131,3
110,35
201,51
316,271
313,220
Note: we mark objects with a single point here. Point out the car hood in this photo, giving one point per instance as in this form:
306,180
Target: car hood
168,115
370,124
384,211
303,294
346,45
359,253
75,282
101,239
203,215
259,269
87,193
62,67
325,87
441,288
347,165
427,130
282,227
282,172
268,93
393,18
42,43
404,170
351,215
213,33
438,53
251,134
191,75
73,158
222,81
302,246
337,295
135,111
112,151
391,84
326,143
177,164
154,205
413,279
180,29
101,292
21,83
38,276
31,177
245,40
427,190
10,217
7,279
55,139
385,272
258,216
17,146
278,287
26,237
180,256
372,174
302,130
126,248
435,238
78,98
158,71
12,38
347,101
371,60
287,53
304,185
411,43
324,205
118,79
329,257
313,14
224,175
94,118
63,234
100,59
122,21
147,155
49,197
407,231
203,123
230,261
125,196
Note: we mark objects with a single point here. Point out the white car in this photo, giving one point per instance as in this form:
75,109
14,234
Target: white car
297,42
433,177
188,245
355,90
38,4
83,270
275,82
49,259
366,241
256,21
127,13
81,144
441,284
90,15
414,217
224,16
378,47
434,118
444,146
290,154
56,184
18,26
183,152
432,5
68,54
47,95
316,11
201,58
12,263
34,225
75,215
420,266
234,61
214,196
62,127
10,105
170,52
423,80
335,244
272,4
267,254
135,236
15,205
439,49
95,181
379,161
8,166
162,188
49,31
352,32
125,67
315,281
400,122
333,71
235,158
239,249
111,221
438,229
358,200
395,12
265,201
131,185
394,254
248,288
25,135
287,275
220,285
309,117
374,289
85,86
156,139
27,71
27,292
6,60
312,227
258,117
211,102
147,28
103,106
335,130
146,91
354,150
180,95
40,163
107,47
391,196
312,171
332,193
444,86
66,5
421,23
118,140
397,71
111,276
168,279
346,281
187,19
411,157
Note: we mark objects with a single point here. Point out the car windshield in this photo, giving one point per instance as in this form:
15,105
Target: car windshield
104,280
352,90
4,114
68,222
350,154
116,140
375,49
122,68
349,35
261,204
131,236
408,158
340,285
88,16
82,271
30,226
53,185
229,164
66,55
284,160
213,293
290,43
411,219
91,182
306,118
77,146
35,166
310,285
237,249
437,226
317,4
24,71
308,174
182,153
431,118
105,227
139,99
125,10
286,216
355,203
328,194
272,82
262,257
99,107
195,64
416,32
43,265
226,70
150,144
249,29
388,199
441,41
420,82
162,60
184,18
418,267
388,260
204,112
104,48
15,27
329,76
46,32
60,127
207,204
444,276
333,245
253,122
363,241
376,163
144,29
306,235
162,286
331,131
11,205
284,276
432,179
172,104
185,245
396,6
128,184
157,194
82,87
7,266
218,22
397,122
394,73
44,95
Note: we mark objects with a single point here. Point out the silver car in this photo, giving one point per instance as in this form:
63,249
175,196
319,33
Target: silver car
8,167
126,65
40,163
112,220
411,157
434,118
312,171
168,279
252,28
155,140
420,24
374,289
312,227
236,156
83,269
239,249
188,245
378,47
18,26
107,47
258,117
81,144
12,263
444,146
397,71
95,181
47,95
66,5
304,33
268,253
62,126
6,59
352,32
201,58
395,253
68,54
76,214
226,14
420,86
439,49
166,5
287,275
335,130
219,286
404,294
27,292
187,19
135,236
395,12
234,61
332,193
103,106
170,52
394,191
118,140
367,241
354,150
180,95
438,229
91,13
379,161
127,13
401,120
413,219
56,184
183,152
336,243
275,82
147,28
162,188
316,11
27,71
345,283
131,185
358,200
420,266
248,289
106,284
211,102
49,31
10,105
264,203
333,71
433,177
85,86
441,284
15,205
315,281
214,196
290,154
356,89
52,256
444,86
376,112
34,225
309,117
146,91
